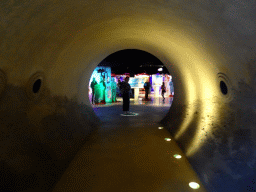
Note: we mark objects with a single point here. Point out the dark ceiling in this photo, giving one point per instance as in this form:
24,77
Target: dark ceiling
133,61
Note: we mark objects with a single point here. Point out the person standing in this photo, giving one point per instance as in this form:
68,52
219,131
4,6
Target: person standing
163,90
119,82
119,87
113,88
125,91
147,88
93,83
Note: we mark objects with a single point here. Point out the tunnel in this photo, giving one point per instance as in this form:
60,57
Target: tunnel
49,49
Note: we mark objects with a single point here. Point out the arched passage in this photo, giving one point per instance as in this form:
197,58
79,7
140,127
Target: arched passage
132,62
201,45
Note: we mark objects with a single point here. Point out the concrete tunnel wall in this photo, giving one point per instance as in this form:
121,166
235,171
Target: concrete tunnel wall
61,42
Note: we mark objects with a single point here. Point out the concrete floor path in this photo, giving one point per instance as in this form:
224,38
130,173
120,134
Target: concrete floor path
129,154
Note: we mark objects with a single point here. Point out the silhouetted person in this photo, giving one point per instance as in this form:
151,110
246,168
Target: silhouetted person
147,89
119,87
163,89
93,83
125,91
119,82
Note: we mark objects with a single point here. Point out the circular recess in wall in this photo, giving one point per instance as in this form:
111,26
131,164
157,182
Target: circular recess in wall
225,86
3,82
35,85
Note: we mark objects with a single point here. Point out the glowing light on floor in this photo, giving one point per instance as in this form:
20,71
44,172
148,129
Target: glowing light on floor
194,185
177,156
160,127
167,139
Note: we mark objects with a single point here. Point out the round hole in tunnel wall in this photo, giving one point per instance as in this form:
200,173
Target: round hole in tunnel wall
224,88
37,85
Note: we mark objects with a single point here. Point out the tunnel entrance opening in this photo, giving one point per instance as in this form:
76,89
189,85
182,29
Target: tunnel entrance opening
147,75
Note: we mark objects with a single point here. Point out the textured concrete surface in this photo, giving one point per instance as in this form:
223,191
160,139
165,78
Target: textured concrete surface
129,158
129,154
61,42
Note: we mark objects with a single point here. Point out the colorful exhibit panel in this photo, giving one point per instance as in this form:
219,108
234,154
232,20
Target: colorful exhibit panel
103,93
142,80
169,85
157,82
106,89
134,82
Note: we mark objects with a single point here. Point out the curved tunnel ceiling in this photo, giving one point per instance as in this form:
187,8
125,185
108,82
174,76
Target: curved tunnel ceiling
201,43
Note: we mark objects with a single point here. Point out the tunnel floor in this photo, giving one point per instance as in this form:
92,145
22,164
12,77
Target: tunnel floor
129,154
149,112
153,101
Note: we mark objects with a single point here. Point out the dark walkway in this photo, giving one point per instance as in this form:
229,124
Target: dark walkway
129,154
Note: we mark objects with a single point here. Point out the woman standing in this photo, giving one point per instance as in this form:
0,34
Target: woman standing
147,88
163,90
125,91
